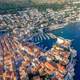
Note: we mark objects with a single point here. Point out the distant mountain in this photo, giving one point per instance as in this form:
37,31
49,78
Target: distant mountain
48,1
35,1
12,6
14,1
7,6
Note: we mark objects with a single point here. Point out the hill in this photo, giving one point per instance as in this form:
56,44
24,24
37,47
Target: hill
47,1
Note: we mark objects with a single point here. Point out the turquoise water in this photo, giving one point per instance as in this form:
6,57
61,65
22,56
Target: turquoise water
72,31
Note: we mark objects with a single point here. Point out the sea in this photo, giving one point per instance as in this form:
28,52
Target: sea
72,32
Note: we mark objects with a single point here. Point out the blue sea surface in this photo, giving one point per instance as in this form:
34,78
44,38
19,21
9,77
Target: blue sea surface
72,32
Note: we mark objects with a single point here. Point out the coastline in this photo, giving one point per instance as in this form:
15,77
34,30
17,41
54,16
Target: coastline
59,26
75,44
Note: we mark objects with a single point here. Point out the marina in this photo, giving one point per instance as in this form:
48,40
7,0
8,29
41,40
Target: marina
17,56
39,40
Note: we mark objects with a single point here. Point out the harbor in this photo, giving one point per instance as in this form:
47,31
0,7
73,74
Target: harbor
43,63
40,41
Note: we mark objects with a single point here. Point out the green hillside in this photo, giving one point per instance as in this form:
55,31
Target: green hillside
7,6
